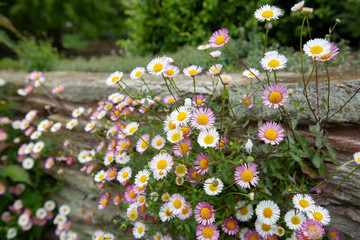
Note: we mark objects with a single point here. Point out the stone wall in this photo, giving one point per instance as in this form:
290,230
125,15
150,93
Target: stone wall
85,89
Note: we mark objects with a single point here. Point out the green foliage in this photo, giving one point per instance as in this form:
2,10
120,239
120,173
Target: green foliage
16,174
36,54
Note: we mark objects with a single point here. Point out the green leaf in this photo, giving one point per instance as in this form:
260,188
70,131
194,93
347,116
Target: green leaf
295,157
294,124
278,175
316,160
246,123
269,183
332,153
314,128
16,174
319,139
6,23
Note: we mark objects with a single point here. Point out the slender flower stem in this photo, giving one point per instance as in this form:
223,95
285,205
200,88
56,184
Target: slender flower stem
343,105
317,88
266,35
175,87
275,76
345,179
167,86
328,97
308,25
193,77
151,93
301,51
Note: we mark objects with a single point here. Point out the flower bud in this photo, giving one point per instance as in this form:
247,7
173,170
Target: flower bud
123,227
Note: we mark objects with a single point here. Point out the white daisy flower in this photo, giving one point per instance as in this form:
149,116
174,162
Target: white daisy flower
108,158
297,6
264,229
274,61
158,142
64,209
181,116
176,203
49,205
89,126
35,135
122,158
23,220
216,69
55,127
244,211
171,71
142,178
28,163
174,136
72,123
208,138
31,115
267,13
252,73
242,233
21,92
317,47
139,230
11,233
101,115
24,124
203,47
77,112
357,157
157,66
124,175
18,204
132,214
131,128
215,54
192,70
16,124
268,212
72,236
294,219
303,202
161,165
137,72
29,148
41,213
43,125
169,124
320,214
60,219
38,147
213,186
100,176
165,214
114,78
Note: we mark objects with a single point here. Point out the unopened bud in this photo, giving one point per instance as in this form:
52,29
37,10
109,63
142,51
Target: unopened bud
250,158
114,222
338,20
307,10
123,227
47,107
215,183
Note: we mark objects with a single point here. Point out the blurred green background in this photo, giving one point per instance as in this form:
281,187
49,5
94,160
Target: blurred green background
109,35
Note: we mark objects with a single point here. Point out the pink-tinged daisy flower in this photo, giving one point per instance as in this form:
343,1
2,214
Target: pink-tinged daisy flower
103,202
165,214
158,142
247,100
186,212
252,235
192,70
274,61
137,72
310,229
275,94
215,54
271,237
317,47
216,69
186,130
193,176
222,142
271,132
49,163
176,203
245,175
3,136
267,13
34,75
333,234
142,178
123,144
28,89
230,226
320,214
108,158
111,174
204,213
161,165
252,73
57,89
207,232
143,143
169,99
202,163
6,216
2,188
171,71
219,38
124,175
200,99
157,66
101,146
90,169
182,147
298,6
117,199
243,211
334,50
202,118
225,78
203,47
31,115
129,195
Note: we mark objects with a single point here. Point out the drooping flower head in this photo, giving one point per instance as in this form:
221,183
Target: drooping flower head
219,38
298,6
271,132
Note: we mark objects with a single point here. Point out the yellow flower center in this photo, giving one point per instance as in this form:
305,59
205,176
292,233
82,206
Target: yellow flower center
205,213
220,40
140,230
170,72
183,148
326,56
203,119
162,164
104,202
275,97
199,101
123,145
110,158
132,130
185,130
101,177
112,174
175,137
133,215
253,237
132,194
143,178
158,67
194,175
36,76
168,213
316,49
117,198
144,144
177,203
138,73
125,174
171,125
204,164
141,199
216,70
192,72
295,220
209,139
250,74
158,142
303,203
180,170
273,63
143,208
246,101
208,232
266,227
332,234
247,176
267,14
185,210
230,225
318,216
271,134
114,79
171,100
181,116
268,212
91,125
244,211
212,187
158,237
